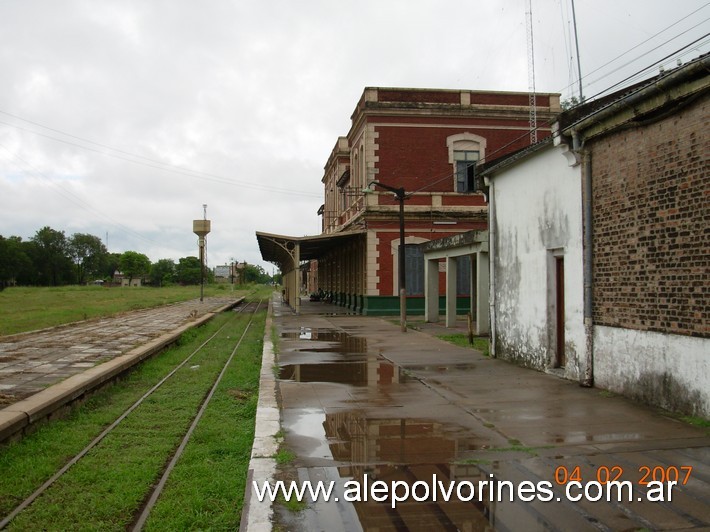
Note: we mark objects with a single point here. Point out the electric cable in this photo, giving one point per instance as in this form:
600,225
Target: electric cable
450,175
147,161
637,46
642,71
76,199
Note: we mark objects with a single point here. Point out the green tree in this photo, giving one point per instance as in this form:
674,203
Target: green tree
134,264
573,101
52,257
255,274
87,252
109,265
13,261
30,275
188,270
162,272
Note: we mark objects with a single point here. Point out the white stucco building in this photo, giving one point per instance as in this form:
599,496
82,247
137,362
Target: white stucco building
536,260
599,239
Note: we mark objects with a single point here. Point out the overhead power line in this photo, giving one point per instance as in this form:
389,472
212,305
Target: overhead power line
644,54
653,37
644,70
489,156
147,161
67,194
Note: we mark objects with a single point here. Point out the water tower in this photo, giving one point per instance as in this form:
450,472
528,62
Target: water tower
201,228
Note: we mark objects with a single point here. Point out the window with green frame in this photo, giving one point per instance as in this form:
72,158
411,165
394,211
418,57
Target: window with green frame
466,179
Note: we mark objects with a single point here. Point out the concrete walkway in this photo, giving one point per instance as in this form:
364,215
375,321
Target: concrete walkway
359,400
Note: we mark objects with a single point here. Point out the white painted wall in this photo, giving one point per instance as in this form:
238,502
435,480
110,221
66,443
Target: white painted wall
668,370
538,208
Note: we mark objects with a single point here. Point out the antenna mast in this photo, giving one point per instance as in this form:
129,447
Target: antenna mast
579,64
531,75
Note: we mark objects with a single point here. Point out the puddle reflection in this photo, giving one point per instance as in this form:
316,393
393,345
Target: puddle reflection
408,450
344,343
372,372
432,513
358,439
305,427
442,368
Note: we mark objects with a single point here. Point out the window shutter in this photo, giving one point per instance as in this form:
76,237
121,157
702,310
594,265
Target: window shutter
414,265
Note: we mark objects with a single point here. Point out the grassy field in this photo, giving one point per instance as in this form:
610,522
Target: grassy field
104,490
27,309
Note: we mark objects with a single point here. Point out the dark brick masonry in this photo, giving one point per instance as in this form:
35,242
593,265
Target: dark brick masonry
652,225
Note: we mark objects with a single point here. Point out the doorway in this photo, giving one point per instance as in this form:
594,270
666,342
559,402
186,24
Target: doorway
560,358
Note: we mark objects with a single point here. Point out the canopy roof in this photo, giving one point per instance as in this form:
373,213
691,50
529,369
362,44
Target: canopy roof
280,249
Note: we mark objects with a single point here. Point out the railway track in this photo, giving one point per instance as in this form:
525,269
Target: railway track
235,328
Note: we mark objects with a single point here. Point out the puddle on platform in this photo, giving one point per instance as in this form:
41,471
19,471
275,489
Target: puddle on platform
359,439
433,512
423,457
304,427
407,450
354,437
442,368
341,341
374,372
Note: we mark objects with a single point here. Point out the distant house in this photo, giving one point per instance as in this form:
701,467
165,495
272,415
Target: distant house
599,244
119,278
222,273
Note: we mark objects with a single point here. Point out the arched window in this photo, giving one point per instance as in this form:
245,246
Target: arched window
465,150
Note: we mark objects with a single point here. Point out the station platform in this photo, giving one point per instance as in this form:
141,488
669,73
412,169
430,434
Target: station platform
355,399
40,371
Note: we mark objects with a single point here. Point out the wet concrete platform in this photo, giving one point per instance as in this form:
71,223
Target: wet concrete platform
359,400
40,369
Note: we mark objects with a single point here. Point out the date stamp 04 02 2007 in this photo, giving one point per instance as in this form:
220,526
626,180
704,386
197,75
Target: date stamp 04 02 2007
605,474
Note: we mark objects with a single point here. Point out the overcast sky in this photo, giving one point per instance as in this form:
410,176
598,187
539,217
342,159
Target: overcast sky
121,118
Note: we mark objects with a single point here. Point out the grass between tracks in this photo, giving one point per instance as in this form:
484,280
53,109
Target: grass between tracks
30,308
106,489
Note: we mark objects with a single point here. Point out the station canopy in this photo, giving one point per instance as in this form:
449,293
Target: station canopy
281,249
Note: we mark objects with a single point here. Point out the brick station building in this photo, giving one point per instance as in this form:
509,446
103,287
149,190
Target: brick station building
426,141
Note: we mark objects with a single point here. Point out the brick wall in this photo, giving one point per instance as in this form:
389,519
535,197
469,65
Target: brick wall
454,97
417,157
651,193
418,96
502,98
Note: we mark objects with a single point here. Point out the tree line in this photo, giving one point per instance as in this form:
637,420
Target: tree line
50,258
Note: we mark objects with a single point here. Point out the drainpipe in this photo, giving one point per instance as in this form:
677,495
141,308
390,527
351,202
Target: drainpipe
491,266
587,379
